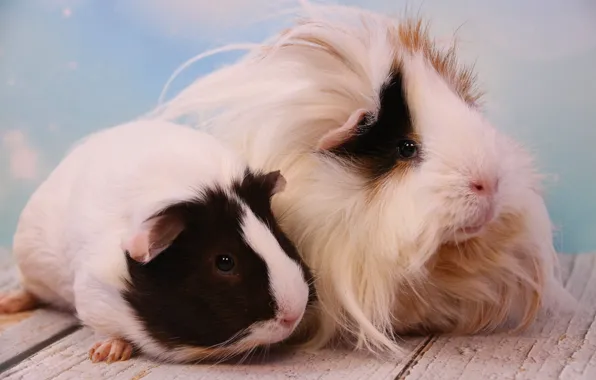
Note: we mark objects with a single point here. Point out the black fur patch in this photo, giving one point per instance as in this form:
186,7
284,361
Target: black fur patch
374,148
181,297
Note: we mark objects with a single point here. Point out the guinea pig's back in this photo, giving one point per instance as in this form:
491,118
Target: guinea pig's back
134,168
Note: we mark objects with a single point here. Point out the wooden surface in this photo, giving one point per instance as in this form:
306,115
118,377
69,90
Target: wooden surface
563,347
555,348
23,334
67,359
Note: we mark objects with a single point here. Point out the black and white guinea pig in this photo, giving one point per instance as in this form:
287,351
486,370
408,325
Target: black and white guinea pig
161,238
414,212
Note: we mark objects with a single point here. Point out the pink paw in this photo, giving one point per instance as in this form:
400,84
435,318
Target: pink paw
17,301
110,350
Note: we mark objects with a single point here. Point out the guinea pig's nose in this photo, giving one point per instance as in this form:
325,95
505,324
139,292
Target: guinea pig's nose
484,187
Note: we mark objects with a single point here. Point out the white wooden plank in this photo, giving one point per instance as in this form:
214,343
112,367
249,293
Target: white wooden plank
22,332
582,363
41,326
563,347
68,359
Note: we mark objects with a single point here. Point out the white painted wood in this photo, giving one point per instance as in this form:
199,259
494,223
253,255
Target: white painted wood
32,330
68,359
554,348
22,331
562,347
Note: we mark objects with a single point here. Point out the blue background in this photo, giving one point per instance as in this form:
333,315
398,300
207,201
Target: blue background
69,67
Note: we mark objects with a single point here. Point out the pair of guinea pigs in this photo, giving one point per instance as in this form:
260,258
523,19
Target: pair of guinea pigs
406,212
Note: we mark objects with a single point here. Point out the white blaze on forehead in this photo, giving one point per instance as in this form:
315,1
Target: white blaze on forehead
286,278
449,127
436,107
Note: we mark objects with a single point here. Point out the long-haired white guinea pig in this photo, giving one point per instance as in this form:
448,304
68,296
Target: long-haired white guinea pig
414,213
161,238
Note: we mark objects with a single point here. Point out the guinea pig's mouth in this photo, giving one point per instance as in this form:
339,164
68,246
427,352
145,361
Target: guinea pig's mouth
476,227
471,230
270,332
462,234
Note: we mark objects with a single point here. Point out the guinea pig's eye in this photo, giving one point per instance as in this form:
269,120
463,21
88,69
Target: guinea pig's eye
225,263
407,149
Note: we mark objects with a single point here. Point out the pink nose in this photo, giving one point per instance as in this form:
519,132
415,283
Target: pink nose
289,319
483,187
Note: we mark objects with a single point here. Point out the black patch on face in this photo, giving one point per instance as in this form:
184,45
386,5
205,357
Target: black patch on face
254,190
375,146
181,297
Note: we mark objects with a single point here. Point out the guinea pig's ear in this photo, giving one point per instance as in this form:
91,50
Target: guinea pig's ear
275,182
153,236
340,135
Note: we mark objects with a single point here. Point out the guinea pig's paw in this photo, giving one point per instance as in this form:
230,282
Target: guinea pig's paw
110,350
17,301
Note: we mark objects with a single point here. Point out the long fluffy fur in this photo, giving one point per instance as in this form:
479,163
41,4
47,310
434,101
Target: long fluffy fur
381,262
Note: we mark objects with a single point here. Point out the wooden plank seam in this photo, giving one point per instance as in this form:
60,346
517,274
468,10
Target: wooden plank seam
422,349
15,360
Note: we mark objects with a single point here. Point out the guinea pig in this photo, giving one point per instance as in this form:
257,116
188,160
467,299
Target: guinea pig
160,238
414,213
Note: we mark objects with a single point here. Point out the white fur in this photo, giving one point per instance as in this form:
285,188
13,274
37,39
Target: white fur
69,236
274,105
286,278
